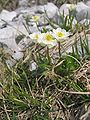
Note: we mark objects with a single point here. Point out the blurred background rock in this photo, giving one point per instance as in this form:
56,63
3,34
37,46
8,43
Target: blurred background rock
57,2
13,4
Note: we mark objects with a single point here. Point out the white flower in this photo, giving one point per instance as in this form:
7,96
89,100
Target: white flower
48,39
71,6
36,37
60,34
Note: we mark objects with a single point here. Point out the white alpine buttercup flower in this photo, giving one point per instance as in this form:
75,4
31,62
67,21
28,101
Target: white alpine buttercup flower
36,37
48,39
60,34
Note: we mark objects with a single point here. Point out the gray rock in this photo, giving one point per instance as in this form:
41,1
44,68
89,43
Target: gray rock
29,10
66,8
7,16
32,66
88,3
83,14
83,11
23,3
15,57
49,8
12,48
39,10
7,37
81,6
18,28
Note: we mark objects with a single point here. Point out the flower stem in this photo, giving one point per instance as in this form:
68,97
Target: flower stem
59,49
37,26
48,55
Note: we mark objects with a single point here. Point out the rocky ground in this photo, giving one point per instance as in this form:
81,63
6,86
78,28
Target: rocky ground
17,23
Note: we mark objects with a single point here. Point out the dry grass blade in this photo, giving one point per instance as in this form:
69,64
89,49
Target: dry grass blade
73,92
69,42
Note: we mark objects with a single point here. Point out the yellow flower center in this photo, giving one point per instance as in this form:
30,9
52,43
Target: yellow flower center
36,36
48,37
35,18
60,34
71,7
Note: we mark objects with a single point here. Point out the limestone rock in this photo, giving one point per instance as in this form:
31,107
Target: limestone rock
83,11
50,9
7,16
83,14
32,66
7,37
88,3
81,6
23,3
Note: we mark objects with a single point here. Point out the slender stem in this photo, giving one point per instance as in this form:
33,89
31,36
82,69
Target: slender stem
48,55
59,49
37,26
6,109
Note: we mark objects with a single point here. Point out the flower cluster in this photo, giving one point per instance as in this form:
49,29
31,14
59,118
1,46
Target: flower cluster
50,38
